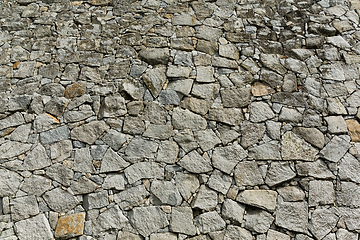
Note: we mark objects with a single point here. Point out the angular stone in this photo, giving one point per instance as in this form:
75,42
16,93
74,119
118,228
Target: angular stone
296,66
199,106
291,193
251,133
89,132
321,193
112,162
184,44
204,46
265,199
336,124
56,106
169,97
186,140
233,211
185,20
166,192
194,162
83,161
96,200
349,168
205,74
260,111
131,197
36,159
55,135
347,196
351,217
13,120
112,218
69,226
182,220
229,51
155,80
183,119
175,71
336,148
60,173
148,219
271,234
113,106
209,222
311,135
23,208
44,122
161,132
114,181
143,170
163,236
140,148
61,150
236,97
168,152
206,139
231,116
336,89
323,221
115,139
11,149
290,99
133,125
292,216
77,116
272,62
36,185
317,169
335,107
295,148
219,182
266,151
155,56
235,232
247,173
181,86
208,91
260,89
33,228
271,78
344,234
83,186
128,236
226,158
205,199
290,115
257,220
187,184
60,200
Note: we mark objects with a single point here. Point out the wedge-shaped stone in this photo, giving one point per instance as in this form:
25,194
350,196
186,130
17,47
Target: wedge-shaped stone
36,185
279,172
205,199
323,221
112,218
206,139
187,184
209,222
336,148
11,121
36,159
182,220
166,192
83,186
349,168
155,80
296,148
89,132
247,173
83,161
131,197
161,132
143,170
194,162
226,158
24,207
265,199
60,173
11,149
112,162
36,227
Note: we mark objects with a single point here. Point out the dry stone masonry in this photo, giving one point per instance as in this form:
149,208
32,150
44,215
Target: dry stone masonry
179,119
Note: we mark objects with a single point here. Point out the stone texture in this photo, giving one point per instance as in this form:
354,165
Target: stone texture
226,158
265,199
60,200
89,132
195,163
70,226
166,192
35,227
143,170
182,220
292,216
295,148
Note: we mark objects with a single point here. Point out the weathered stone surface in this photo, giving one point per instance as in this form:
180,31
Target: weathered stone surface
143,170
11,149
55,135
205,199
336,124
89,132
60,200
10,182
257,220
168,152
36,159
348,168
323,221
233,211
231,116
166,192
112,218
247,173
295,148
83,186
291,193
96,200
219,181
13,120
265,199
251,133
155,55
155,80
336,148
236,97
226,158
347,195
206,139
271,234
131,197
36,185
32,228
83,161
60,173
279,172
266,151
182,220
113,106
61,150
23,208
321,193
292,216
70,225
112,162
311,135
187,184
141,148
260,111
350,217
209,222
194,162
317,169
354,129
114,181
161,132
183,119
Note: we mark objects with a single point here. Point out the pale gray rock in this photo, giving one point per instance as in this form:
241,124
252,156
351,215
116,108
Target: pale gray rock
36,185
209,222
226,158
205,74
236,97
112,162
272,62
271,234
56,106
335,107
163,236
13,120
290,115
266,151
350,216
23,208
206,139
230,116
187,184
96,200
141,148
61,150
344,234
83,186
273,79
166,192
19,103
347,195
291,193
55,135
186,140
185,20
208,33
296,148
247,173
273,129
295,99
194,162
36,159
60,200
251,133
26,69
33,228
290,83
98,151
260,112
257,220
317,169
10,149
10,182
296,66
77,116
233,211
229,51
219,181
235,232
113,106
148,220
131,197
323,221
349,168
155,80
183,119
175,71
205,199
114,181
182,221
336,89
336,148
181,86
169,97
279,173
208,91
83,161
112,218
60,173
311,135
196,105
336,124
89,132
133,125
321,193
333,72
264,199
161,132
292,216
143,170
168,152
338,41
128,236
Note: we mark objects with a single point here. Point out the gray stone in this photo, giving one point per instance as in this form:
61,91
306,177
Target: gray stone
194,162
264,199
295,148
335,107
187,184
208,91
161,132
336,148
279,172
226,158
233,211
295,99
257,220
10,149
350,216
52,89
13,120
23,208
148,219
112,162
321,193
155,56
141,148
311,135
290,115
113,106
83,186
32,228
115,139
163,236
60,173
273,129
169,97
336,89
114,181
56,106
133,125
235,232
209,222
290,83
271,234
83,162
317,169
229,51
291,193
206,139
9,182
183,119
323,221
266,151
196,105
273,79
61,150
292,216
26,69
166,192
55,135
60,200
155,80
128,236
272,62
347,196
131,197
236,97
186,140
296,66
77,116
205,74
36,185
44,122
336,124
36,159
344,234
260,112
175,71
247,173
205,199
182,220
231,116
219,182
21,133
143,170
96,200
251,133
349,168
204,46
19,103
181,86
185,20
168,152
112,218
89,132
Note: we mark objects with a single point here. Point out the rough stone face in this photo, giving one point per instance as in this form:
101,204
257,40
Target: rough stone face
60,200
70,226
166,192
206,139
226,158
318,226
96,200
247,173
258,220
35,227
11,149
260,112
36,159
112,162
335,149
321,193
209,222
89,132
131,197
195,163
265,199
348,168
219,182
183,119
187,184
279,172
143,170
36,185
10,182
83,161
205,199
155,80
60,173
236,97
182,220
233,211
23,208
295,148
266,151
292,216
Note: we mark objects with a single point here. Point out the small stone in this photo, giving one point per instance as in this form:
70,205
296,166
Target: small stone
83,186
219,182
114,181
143,170
182,221
260,111
236,97
311,135
336,148
295,148
183,119
89,132
206,139
187,184
260,89
83,161
96,200
33,228
60,173
155,56
155,80
194,162
141,148
36,159
233,211
257,220
205,199
265,199
292,216
23,208
247,173
231,116
209,222
266,151
70,225
166,192
112,162
161,132
321,193
60,200
131,197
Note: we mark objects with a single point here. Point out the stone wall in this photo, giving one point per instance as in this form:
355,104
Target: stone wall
179,119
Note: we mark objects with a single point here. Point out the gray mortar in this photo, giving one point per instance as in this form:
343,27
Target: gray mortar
179,119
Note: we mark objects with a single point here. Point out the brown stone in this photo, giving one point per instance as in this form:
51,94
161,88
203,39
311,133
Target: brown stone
260,89
70,226
75,90
354,129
